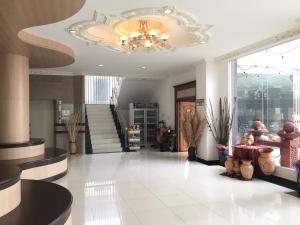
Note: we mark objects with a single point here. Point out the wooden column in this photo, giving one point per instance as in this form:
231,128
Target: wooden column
14,99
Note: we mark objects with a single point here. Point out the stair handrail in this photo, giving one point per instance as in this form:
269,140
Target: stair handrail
123,124
116,91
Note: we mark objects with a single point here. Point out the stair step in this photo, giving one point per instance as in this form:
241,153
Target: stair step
106,141
101,132
102,128
104,136
99,116
111,150
106,146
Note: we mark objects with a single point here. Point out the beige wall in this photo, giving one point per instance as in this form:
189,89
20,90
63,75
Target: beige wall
42,115
164,94
50,87
69,89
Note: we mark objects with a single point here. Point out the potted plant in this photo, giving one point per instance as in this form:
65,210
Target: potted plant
220,126
192,129
72,126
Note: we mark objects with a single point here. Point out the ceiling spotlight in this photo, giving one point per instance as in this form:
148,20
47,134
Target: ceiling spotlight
100,65
143,67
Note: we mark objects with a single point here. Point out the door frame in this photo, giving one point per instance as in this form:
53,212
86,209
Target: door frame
177,88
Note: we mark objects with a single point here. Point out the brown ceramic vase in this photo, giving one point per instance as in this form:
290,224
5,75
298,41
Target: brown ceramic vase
229,165
266,161
247,169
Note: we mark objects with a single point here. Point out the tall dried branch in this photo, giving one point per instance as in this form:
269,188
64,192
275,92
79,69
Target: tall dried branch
221,126
192,128
72,125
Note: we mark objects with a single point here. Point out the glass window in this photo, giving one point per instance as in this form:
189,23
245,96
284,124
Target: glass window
267,88
101,89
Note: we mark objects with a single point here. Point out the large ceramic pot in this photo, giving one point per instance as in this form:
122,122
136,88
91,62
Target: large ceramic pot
229,165
266,161
247,169
73,148
236,167
192,154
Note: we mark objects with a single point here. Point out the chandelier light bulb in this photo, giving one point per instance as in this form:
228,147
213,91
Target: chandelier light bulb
164,37
153,33
134,34
148,44
123,38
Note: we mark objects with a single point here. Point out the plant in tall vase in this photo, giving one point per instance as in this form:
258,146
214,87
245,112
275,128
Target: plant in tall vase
220,126
192,128
72,126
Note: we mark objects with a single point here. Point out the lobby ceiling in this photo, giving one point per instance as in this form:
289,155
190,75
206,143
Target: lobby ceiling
235,24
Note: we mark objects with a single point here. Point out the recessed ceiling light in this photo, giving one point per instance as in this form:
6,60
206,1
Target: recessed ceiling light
72,31
143,67
100,65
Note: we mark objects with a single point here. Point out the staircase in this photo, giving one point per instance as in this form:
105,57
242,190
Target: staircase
103,133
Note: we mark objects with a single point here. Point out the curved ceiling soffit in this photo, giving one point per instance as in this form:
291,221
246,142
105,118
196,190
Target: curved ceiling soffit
16,15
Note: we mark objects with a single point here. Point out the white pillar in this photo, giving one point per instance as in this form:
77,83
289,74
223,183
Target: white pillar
212,80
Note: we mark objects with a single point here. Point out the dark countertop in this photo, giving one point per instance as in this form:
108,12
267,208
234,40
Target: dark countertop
10,170
32,142
9,175
42,203
51,155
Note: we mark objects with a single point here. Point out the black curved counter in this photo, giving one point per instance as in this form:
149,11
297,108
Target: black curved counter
42,203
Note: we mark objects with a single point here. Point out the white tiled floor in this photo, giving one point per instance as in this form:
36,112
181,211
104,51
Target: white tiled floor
153,188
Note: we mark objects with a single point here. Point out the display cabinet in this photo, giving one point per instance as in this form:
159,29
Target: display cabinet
145,117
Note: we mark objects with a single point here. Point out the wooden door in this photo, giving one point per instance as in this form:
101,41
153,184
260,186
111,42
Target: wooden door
183,108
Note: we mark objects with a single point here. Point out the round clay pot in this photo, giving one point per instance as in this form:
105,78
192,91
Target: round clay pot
257,125
266,161
229,165
247,169
73,148
236,167
289,127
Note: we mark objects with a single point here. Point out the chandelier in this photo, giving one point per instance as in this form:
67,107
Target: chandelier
145,38
142,30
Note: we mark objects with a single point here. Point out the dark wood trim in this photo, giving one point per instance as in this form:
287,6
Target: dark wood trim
32,142
65,132
56,177
179,87
63,124
208,162
187,85
186,99
280,181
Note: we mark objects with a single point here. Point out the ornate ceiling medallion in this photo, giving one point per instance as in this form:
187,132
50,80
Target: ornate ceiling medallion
142,30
